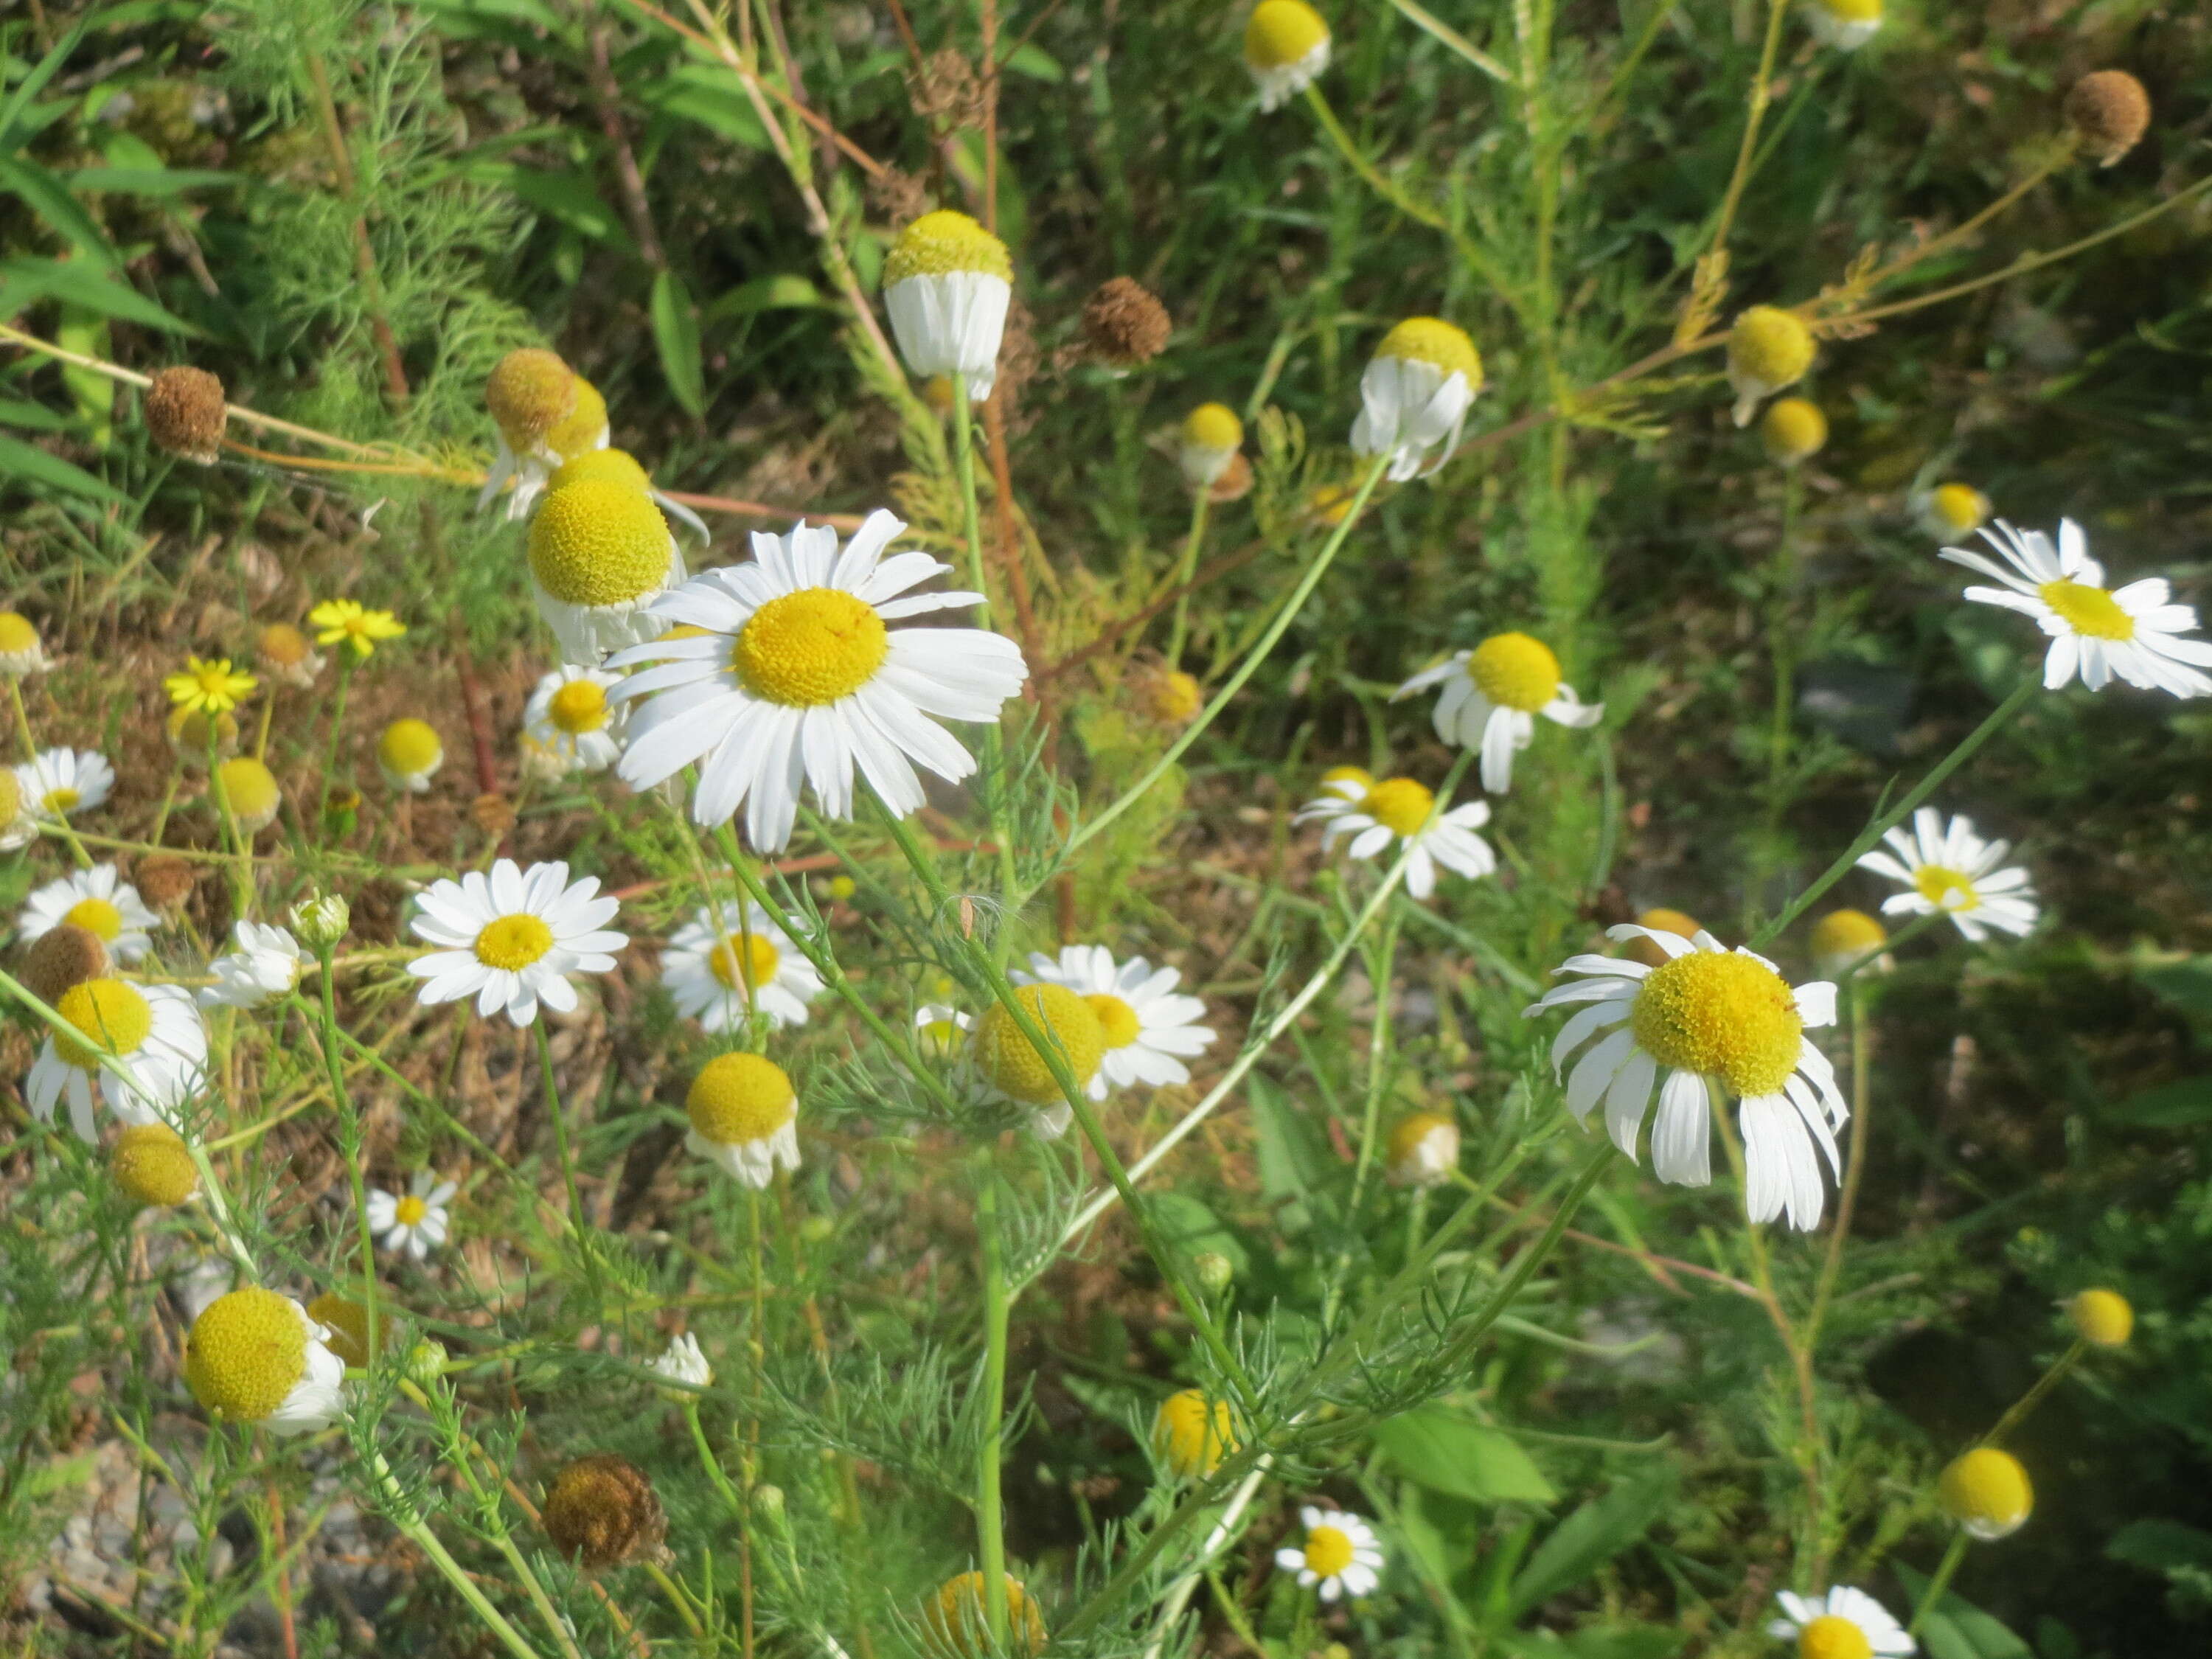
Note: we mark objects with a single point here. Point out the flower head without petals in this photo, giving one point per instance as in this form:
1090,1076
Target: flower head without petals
1286,48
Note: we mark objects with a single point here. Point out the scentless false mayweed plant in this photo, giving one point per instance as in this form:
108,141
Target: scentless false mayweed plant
952,830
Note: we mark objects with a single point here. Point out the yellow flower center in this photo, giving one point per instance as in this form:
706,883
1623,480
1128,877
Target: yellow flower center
1213,426
1959,508
1720,1015
610,466
62,800
1854,11
1848,933
529,394
2102,1317
579,706
1986,1491
249,787
246,1352
1175,697
761,958
2089,611
1831,1637
1443,346
1400,804
11,797
1118,1024
151,1164
1769,346
348,1324
1012,1062
1281,32
514,942
943,241
1191,1434
97,917
110,1017
281,646
1411,1132
1328,1551
599,543
584,427
410,747
1952,889
958,1620
17,636
739,1098
1515,671
810,647
1793,429
409,1211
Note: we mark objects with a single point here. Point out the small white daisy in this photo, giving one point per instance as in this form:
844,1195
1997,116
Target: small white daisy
745,1117
1949,868
794,678
947,283
1706,1017
2131,632
1401,810
1491,696
409,754
152,1031
1286,49
63,782
266,964
413,1223
712,965
1415,393
1146,1024
21,652
1845,25
259,1358
1843,1622
1341,1553
510,939
97,900
683,1363
569,718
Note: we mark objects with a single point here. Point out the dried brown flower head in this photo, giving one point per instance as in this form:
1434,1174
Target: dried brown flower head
492,814
898,197
945,90
1124,323
63,956
185,413
166,881
530,391
601,1512
2110,111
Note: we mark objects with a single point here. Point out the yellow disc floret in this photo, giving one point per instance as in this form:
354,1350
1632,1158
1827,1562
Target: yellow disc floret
810,647
760,963
1011,1062
599,543
2087,611
11,797
607,465
250,787
150,1163
1329,1550
945,242
2102,1318
1951,890
1723,1015
584,429
1412,1132
1793,429
739,1098
1174,698
111,1019
1845,934
1213,426
1400,804
1830,1637
410,748
1118,1024
1852,11
1443,346
530,392
18,637
246,1352
958,1623
346,1321
579,706
97,917
1515,671
514,942
1191,1435
1986,1491
1770,348
1280,32
281,646
1958,509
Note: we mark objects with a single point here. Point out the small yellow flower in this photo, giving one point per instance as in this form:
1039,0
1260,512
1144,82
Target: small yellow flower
209,686
1191,1434
1768,349
335,620
1793,430
2102,1318
957,1623
150,1163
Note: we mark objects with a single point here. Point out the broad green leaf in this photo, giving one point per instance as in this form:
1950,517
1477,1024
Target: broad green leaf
1030,59
24,282
1192,1230
30,417
50,198
710,95
1445,1451
2186,985
1293,1159
26,462
504,20
563,196
150,181
2159,1544
788,292
1956,1629
1595,1532
2170,1106
676,331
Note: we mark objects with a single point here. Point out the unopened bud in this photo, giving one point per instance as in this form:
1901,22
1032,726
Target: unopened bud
321,921
1214,1270
426,1363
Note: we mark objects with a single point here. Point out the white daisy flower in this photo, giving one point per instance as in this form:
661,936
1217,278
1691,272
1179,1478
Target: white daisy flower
1286,49
152,1031
1208,441
510,939
1706,1017
63,782
714,964
941,1031
1491,696
97,900
1341,1555
569,719
745,1117
1845,25
947,283
683,1363
1147,1026
408,753
1399,809
795,678
255,1357
1949,868
266,964
1844,1623
544,413
2131,632
22,653
412,1223
600,553
1415,394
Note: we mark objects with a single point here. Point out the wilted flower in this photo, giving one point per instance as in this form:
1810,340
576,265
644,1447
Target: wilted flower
1415,393
947,284
1286,48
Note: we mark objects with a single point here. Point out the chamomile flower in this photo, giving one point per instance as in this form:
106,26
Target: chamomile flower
714,966
1191,1434
1424,1151
153,1034
349,623
255,1357
745,1117
1286,48
1793,429
409,754
2103,1319
570,719
530,393
411,1224
1145,1024
1844,1623
601,554
63,782
97,900
284,651
956,1619
684,1365
511,939
1401,810
1709,1018
1846,25
795,677
1949,869
265,963
22,653
1207,441
2131,632
1353,782
209,686
17,827
1987,1491
1014,1068
1768,349
250,792
1491,696
941,1031
1844,937
623,467
1951,512
152,1164
1341,1555
1414,394
947,284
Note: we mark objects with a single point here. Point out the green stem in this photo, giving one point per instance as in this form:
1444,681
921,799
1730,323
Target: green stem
576,1220
326,1009
1382,965
330,748
401,1514
1847,1202
963,458
997,1305
2043,1384
1937,1584
1185,568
